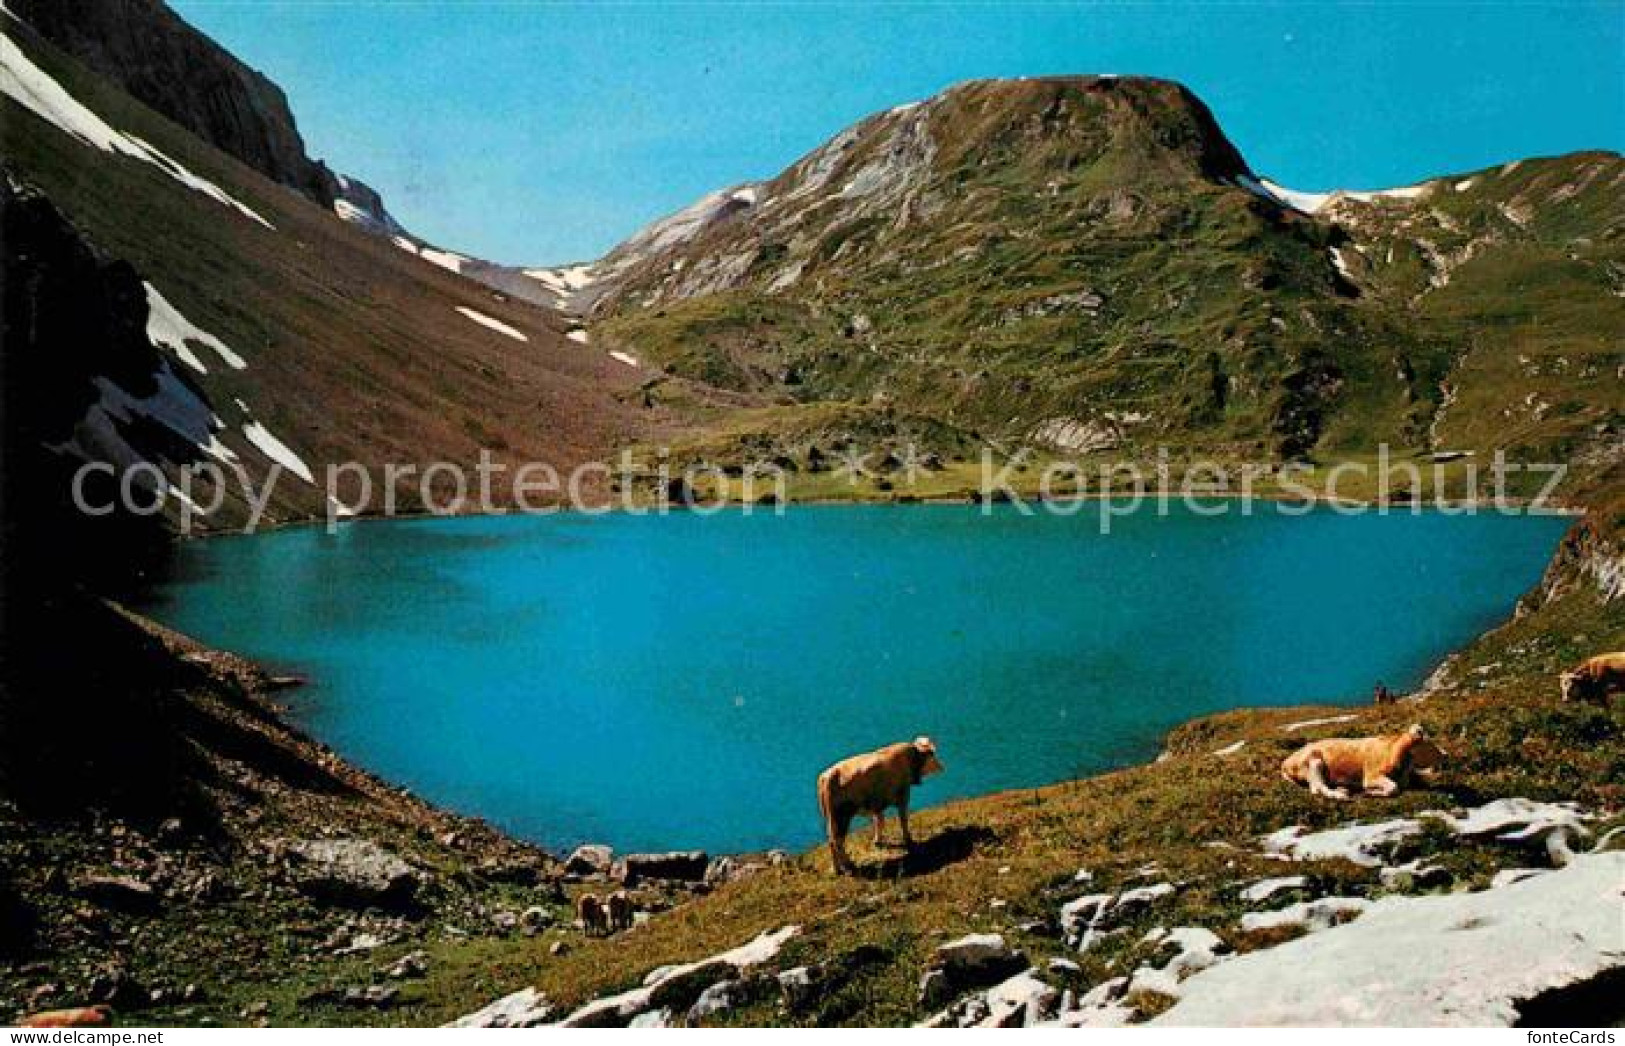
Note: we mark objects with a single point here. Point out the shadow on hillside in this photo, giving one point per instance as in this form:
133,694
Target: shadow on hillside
949,846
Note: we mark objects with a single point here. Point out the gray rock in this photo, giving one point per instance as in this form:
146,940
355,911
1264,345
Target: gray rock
412,964
373,996
120,892
935,988
1086,918
972,961
354,872
525,1008
718,998
534,920
665,987
1264,889
973,951
1020,1001
590,859
800,986
651,1019
680,989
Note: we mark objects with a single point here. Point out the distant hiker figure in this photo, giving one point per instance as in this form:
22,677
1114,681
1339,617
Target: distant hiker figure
1382,695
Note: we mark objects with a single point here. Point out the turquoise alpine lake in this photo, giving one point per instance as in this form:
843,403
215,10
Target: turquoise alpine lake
678,681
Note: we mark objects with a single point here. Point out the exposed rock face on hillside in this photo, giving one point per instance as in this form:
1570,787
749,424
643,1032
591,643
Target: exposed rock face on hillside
147,49
360,204
82,379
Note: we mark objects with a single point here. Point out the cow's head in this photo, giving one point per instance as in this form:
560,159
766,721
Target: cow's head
1427,758
1566,682
926,762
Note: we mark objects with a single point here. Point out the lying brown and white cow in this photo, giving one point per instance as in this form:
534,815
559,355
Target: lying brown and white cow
869,784
77,1017
1595,678
1376,766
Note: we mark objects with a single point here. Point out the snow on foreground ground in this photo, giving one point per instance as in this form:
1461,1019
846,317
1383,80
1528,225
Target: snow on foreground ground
33,88
1457,959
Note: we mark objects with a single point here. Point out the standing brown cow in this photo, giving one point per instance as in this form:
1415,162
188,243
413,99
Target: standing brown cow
1595,678
869,784
619,909
594,916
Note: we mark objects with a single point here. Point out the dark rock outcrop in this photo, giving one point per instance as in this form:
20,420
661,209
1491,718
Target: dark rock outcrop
688,866
150,52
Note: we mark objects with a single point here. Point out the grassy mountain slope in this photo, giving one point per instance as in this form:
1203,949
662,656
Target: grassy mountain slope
1085,264
354,348
139,45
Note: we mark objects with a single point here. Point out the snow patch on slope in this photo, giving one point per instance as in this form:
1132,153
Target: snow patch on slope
1306,724
34,89
494,324
563,280
448,260
277,451
1315,202
1342,264
167,328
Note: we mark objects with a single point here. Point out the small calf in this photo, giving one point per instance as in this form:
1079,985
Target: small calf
1375,766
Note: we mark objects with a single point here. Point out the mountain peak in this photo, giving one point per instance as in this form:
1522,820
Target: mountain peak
981,152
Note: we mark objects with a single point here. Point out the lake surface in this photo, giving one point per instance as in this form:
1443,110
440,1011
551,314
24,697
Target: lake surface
679,681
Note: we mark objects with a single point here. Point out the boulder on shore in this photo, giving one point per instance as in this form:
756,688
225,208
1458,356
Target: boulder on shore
589,859
355,872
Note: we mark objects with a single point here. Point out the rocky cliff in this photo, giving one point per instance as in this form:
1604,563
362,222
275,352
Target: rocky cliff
158,58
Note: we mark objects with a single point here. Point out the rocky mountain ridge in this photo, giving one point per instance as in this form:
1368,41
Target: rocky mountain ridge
154,55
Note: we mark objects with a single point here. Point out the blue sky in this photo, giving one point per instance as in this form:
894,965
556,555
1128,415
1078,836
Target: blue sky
534,132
